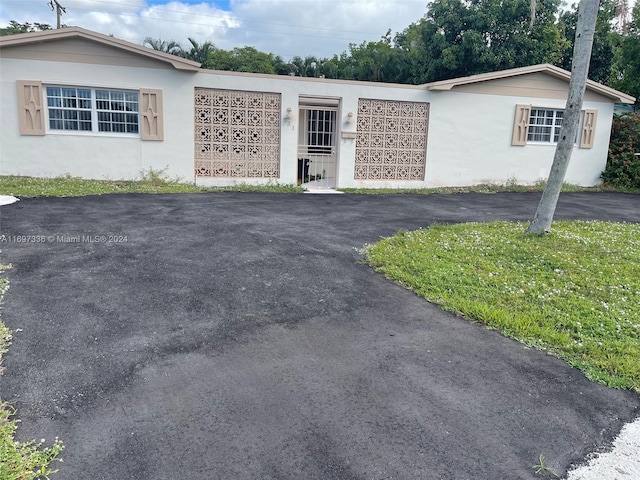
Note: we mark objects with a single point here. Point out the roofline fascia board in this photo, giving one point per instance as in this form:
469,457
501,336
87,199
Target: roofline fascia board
77,32
447,85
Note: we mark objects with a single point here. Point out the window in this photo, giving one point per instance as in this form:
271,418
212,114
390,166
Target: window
544,125
321,130
93,110
117,111
90,110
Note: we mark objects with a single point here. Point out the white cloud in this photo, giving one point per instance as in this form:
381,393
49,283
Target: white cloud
320,27
283,27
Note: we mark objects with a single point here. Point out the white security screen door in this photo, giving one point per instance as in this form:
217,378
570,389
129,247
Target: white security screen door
317,153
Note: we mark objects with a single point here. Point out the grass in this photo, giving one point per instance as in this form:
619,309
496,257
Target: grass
20,460
510,186
574,292
155,181
151,181
541,469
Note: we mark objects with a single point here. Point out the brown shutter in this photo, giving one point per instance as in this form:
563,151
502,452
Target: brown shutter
30,111
588,132
521,125
152,127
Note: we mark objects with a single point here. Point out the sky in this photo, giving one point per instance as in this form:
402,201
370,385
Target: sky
283,27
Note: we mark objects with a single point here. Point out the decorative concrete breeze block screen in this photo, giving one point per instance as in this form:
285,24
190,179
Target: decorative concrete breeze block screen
237,133
391,140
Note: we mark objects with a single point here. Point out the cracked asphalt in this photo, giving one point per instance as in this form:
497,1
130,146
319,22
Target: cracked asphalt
238,336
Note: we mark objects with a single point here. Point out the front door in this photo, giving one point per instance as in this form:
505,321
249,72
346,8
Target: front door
317,155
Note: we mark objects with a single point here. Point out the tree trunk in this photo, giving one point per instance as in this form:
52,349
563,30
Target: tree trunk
585,29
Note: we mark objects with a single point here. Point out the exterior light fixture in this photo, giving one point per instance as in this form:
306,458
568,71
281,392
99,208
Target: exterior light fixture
350,118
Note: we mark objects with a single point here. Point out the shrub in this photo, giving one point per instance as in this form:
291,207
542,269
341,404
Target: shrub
623,165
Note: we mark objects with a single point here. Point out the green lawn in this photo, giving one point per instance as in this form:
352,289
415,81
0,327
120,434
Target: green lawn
153,182
574,292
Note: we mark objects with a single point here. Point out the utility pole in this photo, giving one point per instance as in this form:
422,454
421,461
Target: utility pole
59,10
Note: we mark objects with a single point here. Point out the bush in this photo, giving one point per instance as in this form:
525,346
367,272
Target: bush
623,165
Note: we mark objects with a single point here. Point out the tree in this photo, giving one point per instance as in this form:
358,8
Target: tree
170,46
279,65
305,67
198,53
245,59
457,38
623,165
15,27
374,62
605,42
585,30
626,76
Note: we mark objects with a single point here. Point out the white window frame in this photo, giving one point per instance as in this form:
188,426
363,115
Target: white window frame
553,134
94,111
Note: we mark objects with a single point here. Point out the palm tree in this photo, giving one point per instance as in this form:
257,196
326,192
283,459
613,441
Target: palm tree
585,30
199,53
170,46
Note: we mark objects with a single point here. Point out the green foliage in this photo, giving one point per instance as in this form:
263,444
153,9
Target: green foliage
626,74
574,292
623,163
5,334
605,42
23,460
542,469
305,67
152,181
245,59
15,27
458,38
268,188
488,188
170,46
198,52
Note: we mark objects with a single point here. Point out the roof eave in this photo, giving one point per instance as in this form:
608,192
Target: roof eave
70,32
447,85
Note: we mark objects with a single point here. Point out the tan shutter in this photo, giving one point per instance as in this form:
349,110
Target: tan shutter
588,132
521,125
30,111
152,127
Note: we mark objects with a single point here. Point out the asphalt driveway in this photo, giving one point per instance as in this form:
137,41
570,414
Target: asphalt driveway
237,336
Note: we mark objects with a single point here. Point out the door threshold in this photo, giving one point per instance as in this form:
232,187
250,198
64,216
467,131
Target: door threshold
322,190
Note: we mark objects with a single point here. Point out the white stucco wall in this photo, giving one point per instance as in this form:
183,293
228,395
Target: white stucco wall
96,156
469,138
470,142
291,89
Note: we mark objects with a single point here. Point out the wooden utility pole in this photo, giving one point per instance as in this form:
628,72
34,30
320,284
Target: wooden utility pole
59,10
585,29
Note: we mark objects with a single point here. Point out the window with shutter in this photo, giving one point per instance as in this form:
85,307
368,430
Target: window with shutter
151,113
30,110
588,131
521,125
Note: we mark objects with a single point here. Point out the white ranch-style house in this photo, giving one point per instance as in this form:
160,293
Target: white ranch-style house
81,103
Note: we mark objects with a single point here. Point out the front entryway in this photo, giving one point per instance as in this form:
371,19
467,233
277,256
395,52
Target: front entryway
317,152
